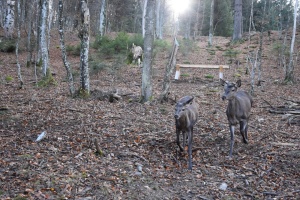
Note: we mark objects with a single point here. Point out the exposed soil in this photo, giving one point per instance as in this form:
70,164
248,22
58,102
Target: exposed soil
140,157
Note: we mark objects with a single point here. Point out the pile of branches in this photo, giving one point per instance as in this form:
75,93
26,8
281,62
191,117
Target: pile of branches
290,111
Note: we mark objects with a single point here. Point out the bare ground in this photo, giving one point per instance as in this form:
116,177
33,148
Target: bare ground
141,159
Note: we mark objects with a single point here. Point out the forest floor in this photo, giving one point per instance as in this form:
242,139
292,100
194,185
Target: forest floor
140,157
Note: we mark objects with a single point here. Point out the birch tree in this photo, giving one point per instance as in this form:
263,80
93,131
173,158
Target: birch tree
9,21
237,30
148,51
44,37
84,35
144,17
168,72
289,72
102,16
17,45
160,12
63,49
211,21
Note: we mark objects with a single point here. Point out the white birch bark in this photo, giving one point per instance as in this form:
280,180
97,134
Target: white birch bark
168,72
50,16
9,22
102,16
84,35
211,21
289,76
63,48
144,17
17,45
148,51
43,37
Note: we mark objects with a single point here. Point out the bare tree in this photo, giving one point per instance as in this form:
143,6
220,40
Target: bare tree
17,45
144,17
238,15
63,49
9,18
210,37
84,35
168,72
102,22
44,36
289,72
148,51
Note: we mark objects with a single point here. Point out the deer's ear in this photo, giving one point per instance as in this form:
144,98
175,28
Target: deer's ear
239,83
222,82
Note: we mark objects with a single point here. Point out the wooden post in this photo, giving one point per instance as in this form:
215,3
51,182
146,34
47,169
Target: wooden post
177,74
221,72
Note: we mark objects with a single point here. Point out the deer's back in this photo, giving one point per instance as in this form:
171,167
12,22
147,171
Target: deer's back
239,107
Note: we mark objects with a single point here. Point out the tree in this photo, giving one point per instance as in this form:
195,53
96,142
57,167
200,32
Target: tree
9,18
148,51
237,30
160,14
102,16
289,72
84,35
43,36
211,21
63,49
144,18
17,45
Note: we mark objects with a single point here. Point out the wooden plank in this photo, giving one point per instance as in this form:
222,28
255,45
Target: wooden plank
203,66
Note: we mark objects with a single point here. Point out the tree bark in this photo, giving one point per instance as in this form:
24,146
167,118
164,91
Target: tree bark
148,51
168,72
211,21
144,18
44,37
84,35
63,49
237,31
9,19
102,16
17,45
289,75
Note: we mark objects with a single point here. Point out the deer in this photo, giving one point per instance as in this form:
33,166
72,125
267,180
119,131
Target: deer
137,52
238,109
186,116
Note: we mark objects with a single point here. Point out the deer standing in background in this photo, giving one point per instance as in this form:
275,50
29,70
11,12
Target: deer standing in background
137,52
238,109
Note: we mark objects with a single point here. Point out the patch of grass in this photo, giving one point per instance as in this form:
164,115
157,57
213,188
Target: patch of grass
20,198
209,76
211,51
186,62
73,49
8,45
237,75
185,75
47,80
9,78
231,53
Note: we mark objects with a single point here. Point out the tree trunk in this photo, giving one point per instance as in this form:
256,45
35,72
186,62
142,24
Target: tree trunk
168,72
261,45
289,75
63,49
17,45
44,37
29,44
211,21
144,18
102,16
237,31
9,19
148,51
196,25
84,35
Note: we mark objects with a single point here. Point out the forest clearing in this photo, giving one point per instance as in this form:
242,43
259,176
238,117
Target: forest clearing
139,157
